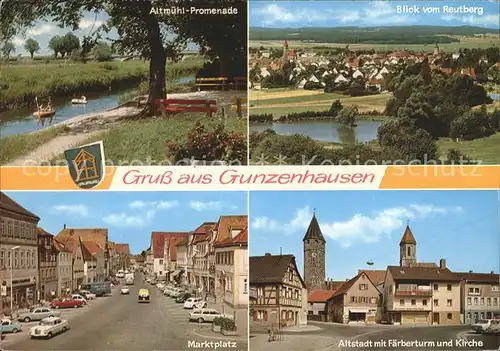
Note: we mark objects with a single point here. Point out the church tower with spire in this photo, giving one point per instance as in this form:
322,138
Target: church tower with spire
407,248
314,256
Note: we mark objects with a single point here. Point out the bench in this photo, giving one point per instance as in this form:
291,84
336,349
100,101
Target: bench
240,82
220,82
185,105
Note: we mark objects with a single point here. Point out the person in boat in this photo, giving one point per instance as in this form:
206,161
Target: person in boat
49,107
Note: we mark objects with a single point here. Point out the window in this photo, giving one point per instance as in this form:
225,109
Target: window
436,287
22,258
495,301
449,316
245,286
436,302
161,262
471,290
409,251
3,232
413,302
476,290
363,286
260,292
495,288
424,302
448,287
290,275
9,258
449,303
2,258
373,300
488,301
33,257
16,259
482,301
476,301
469,301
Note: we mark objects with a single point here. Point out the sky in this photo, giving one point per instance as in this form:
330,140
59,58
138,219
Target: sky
130,216
366,226
295,14
44,30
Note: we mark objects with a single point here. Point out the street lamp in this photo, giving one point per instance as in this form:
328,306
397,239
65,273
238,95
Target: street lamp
12,249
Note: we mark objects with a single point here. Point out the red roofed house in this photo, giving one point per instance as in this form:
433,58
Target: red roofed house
316,301
123,255
170,255
64,268
158,240
197,272
357,301
183,260
78,264
93,256
18,240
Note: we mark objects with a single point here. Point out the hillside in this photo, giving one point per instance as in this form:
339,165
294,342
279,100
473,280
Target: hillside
370,35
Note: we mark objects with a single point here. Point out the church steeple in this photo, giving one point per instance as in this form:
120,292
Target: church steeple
407,248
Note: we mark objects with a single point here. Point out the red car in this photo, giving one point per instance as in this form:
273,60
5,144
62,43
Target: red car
66,303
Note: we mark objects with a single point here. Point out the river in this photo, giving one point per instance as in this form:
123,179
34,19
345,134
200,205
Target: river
324,130
19,121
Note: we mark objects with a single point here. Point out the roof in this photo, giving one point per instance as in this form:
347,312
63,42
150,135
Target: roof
471,277
97,235
238,240
271,268
173,240
422,273
226,224
314,231
158,241
8,204
87,254
184,241
92,247
376,276
122,248
348,284
59,246
423,264
42,232
70,242
408,237
320,295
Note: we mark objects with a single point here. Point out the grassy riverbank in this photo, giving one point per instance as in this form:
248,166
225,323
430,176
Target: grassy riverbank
12,147
58,78
144,141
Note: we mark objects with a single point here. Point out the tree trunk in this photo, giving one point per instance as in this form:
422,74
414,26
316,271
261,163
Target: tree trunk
157,62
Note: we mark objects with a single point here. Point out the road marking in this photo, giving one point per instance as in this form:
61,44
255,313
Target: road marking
220,337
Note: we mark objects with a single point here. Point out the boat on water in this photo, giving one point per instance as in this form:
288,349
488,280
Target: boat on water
81,100
44,113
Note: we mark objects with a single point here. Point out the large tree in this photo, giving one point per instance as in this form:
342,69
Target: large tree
7,49
142,31
32,46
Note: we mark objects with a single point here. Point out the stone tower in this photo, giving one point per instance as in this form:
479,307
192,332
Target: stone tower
314,256
407,248
286,52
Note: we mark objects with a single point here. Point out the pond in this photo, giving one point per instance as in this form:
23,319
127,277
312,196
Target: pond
324,130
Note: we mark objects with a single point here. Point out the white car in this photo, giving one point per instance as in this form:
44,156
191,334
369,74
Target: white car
79,297
125,291
120,275
87,295
160,286
204,315
481,325
49,327
201,304
190,303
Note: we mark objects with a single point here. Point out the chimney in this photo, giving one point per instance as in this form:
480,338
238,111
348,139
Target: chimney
442,263
267,254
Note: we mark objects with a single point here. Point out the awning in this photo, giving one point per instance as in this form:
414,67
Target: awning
176,272
358,310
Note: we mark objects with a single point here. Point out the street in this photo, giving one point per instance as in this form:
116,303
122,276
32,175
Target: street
119,322
332,336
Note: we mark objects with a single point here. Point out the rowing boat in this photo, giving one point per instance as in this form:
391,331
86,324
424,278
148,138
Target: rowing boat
44,114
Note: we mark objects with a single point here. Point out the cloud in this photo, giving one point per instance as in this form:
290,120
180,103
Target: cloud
360,228
18,41
88,23
209,205
41,30
125,220
73,210
374,13
158,205
272,14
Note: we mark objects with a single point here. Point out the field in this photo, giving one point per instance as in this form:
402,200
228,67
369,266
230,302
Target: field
26,81
283,101
486,149
465,43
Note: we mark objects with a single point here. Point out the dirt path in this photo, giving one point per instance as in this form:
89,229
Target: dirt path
55,147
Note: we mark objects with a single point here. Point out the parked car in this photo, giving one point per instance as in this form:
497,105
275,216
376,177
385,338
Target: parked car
494,327
37,314
144,295
9,326
98,288
183,298
88,295
125,290
49,327
481,325
168,290
204,315
66,303
79,298
201,304
160,286
190,302
178,293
